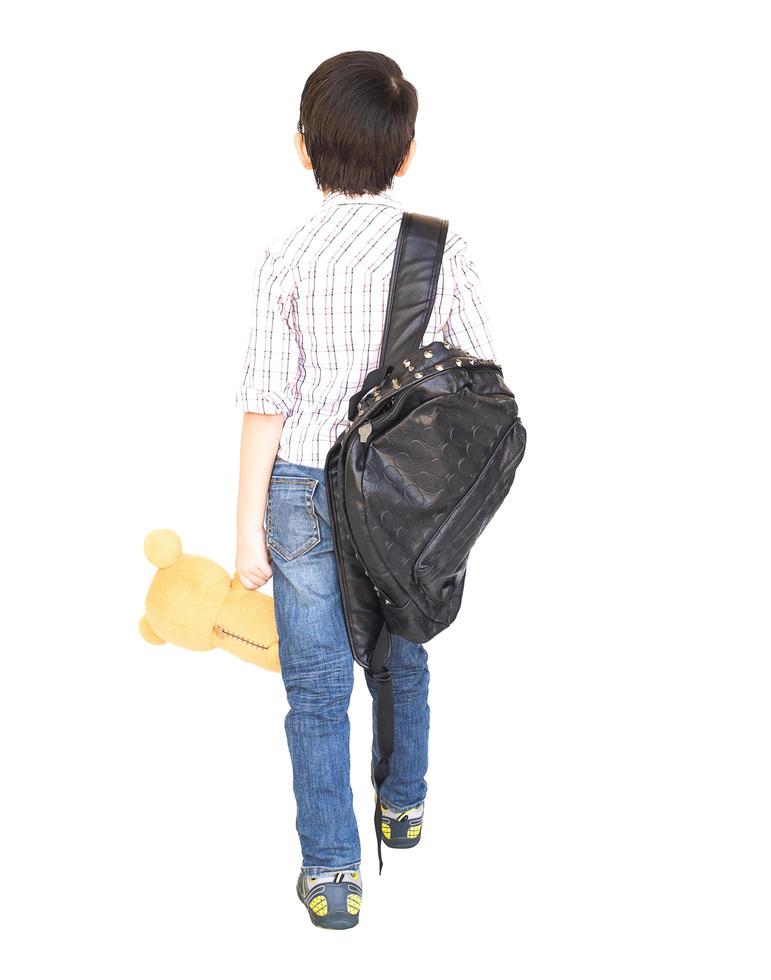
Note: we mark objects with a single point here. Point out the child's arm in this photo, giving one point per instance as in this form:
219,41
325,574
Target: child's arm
260,437
266,394
468,325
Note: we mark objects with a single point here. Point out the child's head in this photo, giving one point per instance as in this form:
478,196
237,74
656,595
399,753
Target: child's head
357,123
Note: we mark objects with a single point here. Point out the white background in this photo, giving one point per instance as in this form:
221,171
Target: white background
599,777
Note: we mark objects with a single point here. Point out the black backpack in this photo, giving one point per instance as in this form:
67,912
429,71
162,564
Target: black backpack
430,451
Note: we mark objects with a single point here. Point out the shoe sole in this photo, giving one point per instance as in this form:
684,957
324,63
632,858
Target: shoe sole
333,920
398,843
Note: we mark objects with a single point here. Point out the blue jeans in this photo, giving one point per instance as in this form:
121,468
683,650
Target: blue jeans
317,668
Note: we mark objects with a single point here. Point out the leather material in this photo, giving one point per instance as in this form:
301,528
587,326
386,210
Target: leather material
415,480
418,259
429,454
423,466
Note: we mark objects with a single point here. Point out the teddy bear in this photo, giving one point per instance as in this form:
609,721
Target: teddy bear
193,603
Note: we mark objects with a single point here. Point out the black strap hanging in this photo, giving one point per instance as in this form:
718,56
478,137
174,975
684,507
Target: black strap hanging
384,713
411,296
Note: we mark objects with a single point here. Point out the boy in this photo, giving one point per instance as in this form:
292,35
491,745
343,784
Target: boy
321,301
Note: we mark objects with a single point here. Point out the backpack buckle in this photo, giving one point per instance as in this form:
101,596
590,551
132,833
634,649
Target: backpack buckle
371,384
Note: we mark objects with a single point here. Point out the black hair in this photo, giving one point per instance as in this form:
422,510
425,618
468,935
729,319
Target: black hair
357,114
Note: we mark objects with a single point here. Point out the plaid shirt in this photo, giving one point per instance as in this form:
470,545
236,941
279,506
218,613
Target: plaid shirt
321,298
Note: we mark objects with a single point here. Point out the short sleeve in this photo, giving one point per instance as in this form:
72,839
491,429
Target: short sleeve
269,376
468,325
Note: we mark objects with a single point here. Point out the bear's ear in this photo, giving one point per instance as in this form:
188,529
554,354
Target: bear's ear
163,547
148,633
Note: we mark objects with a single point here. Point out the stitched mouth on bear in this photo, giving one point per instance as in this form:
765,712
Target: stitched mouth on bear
221,631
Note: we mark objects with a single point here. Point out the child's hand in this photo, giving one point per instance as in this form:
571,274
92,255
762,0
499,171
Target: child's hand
253,560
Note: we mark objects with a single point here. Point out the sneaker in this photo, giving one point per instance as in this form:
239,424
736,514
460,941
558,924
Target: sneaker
401,828
333,899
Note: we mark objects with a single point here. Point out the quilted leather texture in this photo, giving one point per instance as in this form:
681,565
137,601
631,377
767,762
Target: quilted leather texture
440,569
418,476
429,454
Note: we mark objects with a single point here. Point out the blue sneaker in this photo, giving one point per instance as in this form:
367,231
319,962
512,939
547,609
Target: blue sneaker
401,828
333,899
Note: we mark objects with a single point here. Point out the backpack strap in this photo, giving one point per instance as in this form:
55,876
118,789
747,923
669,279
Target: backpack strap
384,726
411,294
412,290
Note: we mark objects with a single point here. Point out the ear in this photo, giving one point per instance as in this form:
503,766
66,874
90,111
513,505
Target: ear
163,547
299,145
407,159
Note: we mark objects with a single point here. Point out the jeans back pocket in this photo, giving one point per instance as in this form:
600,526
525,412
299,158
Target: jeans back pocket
291,518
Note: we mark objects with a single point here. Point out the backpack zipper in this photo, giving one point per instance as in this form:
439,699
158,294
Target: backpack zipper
363,420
